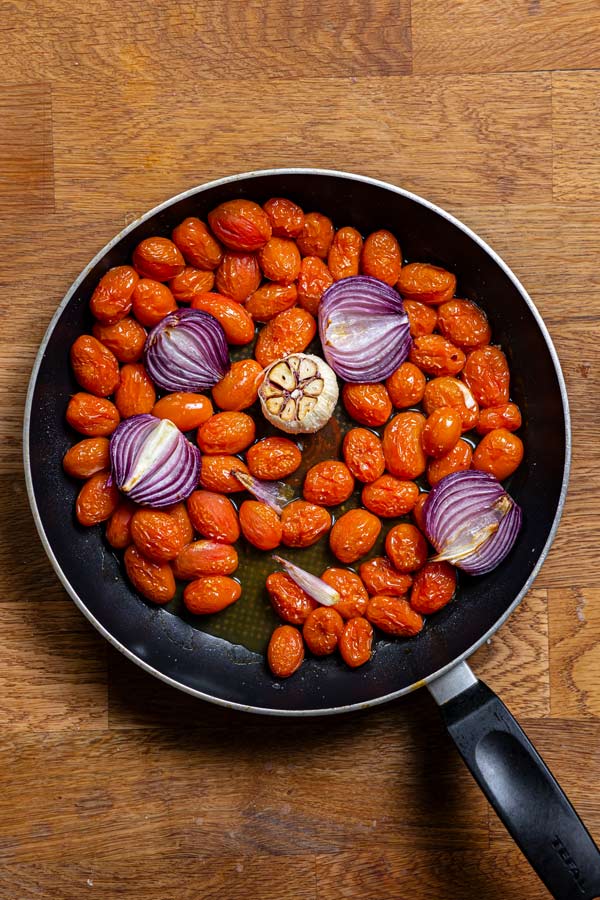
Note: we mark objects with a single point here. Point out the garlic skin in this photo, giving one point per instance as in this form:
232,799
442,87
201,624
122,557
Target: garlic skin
298,393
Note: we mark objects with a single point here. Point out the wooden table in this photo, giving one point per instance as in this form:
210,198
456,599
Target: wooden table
115,785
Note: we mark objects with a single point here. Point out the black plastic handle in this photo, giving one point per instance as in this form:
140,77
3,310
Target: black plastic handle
524,793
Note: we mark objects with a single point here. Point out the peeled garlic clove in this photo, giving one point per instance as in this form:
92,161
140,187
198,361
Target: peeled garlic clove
298,394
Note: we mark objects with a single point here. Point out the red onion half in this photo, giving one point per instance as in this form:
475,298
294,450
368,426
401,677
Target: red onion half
187,351
471,521
363,328
152,462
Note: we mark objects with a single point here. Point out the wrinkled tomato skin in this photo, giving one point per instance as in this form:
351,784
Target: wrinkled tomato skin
285,652
354,534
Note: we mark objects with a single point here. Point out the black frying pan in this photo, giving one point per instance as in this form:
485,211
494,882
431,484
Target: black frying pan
512,775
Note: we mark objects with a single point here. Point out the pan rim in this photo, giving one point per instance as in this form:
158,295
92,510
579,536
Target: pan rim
79,602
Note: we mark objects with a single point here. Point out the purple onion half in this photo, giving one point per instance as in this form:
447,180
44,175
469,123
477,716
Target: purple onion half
152,462
471,521
364,329
187,351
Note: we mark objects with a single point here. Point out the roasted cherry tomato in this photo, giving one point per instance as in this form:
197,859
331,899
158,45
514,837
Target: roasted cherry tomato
328,483
354,534
353,594
499,452
285,652
433,587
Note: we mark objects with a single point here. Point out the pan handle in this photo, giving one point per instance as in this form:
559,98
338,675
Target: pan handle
519,785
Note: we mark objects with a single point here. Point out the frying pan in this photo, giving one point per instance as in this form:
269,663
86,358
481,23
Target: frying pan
501,758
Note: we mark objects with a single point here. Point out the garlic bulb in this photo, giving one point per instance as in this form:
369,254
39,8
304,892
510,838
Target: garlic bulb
298,394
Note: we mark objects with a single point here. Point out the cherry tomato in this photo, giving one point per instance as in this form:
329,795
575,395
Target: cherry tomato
313,281
211,594
368,404
269,300
486,374
406,547
363,454
187,411
215,474
238,276
152,301
290,331
380,577
499,452
464,323
111,300
433,587
237,323
286,217
135,394
191,283
153,580
156,534
381,257
447,391
328,483
158,258
200,558
356,642
94,366
226,432
406,386
426,283
441,431
435,355
402,445
273,458
213,516
354,534
304,523
240,225
322,630
118,527
126,338
458,459
394,615
280,260
343,258
422,319
289,601
316,236
239,388
87,457
506,416
389,497
285,652
261,526
92,416
198,246
353,594
97,500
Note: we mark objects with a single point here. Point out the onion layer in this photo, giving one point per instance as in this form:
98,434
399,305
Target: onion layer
275,494
152,462
364,329
187,351
471,521
315,587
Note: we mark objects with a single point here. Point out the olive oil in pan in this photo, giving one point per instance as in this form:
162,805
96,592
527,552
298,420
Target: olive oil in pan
251,620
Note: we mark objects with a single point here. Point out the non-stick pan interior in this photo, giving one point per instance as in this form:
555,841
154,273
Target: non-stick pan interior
230,673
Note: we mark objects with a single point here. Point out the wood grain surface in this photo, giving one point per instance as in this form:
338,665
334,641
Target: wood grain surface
114,785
